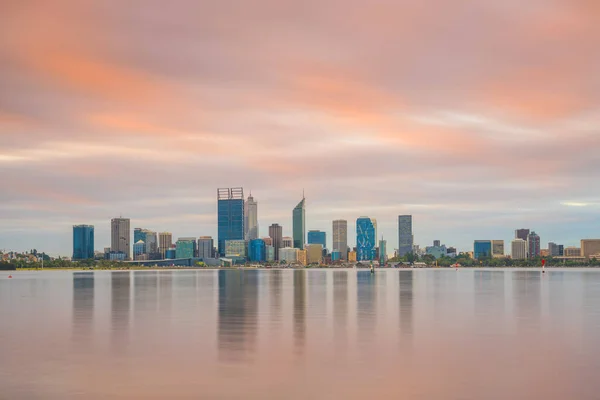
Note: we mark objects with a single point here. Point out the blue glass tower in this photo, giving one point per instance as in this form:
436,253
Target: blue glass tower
482,249
83,242
257,250
317,237
230,216
366,232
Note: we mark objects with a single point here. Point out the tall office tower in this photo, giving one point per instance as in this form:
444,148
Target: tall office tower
83,242
230,215
120,236
139,250
257,250
287,242
553,249
497,248
590,247
251,218
405,235
519,249
522,234
299,224
205,247
165,241
533,245
437,243
317,237
139,234
340,238
382,252
366,231
482,249
275,233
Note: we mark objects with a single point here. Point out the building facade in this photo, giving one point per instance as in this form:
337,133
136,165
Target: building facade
120,235
497,248
251,218
287,241
366,232
185,247
382,252
83,242
276,235
139,249
590,247
165,242
235,248
482,249
519,249
317,237
521,234
257,250
553,249
572,251
352,256
269,253
230,216
302,257
437,250
206,245
314,253
533,245
340,238
288,254
405,235
299,224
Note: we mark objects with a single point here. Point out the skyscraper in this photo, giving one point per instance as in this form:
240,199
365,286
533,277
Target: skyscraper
553,249
533,245
382,252
340,238
251,218
230,215
120,236
257,250
366,232
519,249
317,237
405,235
83,242
151,245
522,234
275,233
299,224
205,247
165,241
482,249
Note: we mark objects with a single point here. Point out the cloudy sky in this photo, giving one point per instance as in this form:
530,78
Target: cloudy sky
475,117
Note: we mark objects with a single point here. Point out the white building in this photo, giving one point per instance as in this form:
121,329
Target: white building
519,249
288,254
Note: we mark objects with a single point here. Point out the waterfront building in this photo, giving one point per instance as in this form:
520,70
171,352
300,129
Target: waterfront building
572,251
533,245
206,246
382,252
275,233
287,241
366,232
270,253
317,237
519,249
590,247
251,218
521,234
230,216
170,254
336,256
482,249
120,235
437,250
405,235
544,253
139,249
138,234
152,245
497,248
302,257
235,248
165,242
117,256
257,250
185,247
352,256
553,249
83,242
314,253
561,250
268,241
299,224
340,238
288,254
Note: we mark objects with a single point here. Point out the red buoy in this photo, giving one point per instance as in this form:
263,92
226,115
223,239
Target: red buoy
10,276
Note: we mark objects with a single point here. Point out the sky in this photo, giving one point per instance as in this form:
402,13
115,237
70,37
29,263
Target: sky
477,118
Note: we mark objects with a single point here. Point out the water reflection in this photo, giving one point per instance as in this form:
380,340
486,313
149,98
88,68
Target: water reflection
340,308
238,313
299,310
275,291
83,307
120,309
527,299
406,302
366,299
489,295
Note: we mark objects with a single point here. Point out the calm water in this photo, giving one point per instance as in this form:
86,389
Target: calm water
318,334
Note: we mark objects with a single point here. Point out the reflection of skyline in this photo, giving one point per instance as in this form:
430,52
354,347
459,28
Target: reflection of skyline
165,289
83,306
365,296
406,302
120,309
238,312
145,294
489,299
275,284
527,298
299,310
340,309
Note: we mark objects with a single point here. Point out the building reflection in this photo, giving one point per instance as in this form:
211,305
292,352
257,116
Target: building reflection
145,300
340,307
366,299
489,300
527,299
165,290
299,310
275,291
120,310
406,302
83,306
238,313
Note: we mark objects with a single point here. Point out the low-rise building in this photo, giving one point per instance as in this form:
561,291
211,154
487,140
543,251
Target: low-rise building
590,247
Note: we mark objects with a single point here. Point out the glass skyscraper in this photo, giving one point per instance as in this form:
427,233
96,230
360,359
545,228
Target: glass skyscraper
405,235
366,232
83,242
317,237
230,216
482,249
257,250
299,224
340,238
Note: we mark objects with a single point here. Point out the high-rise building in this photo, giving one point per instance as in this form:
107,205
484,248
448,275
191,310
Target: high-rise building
405,235
533,245
275,233
317,237
251,218
590,247
120,235
270,253
340,238
522,234
257,250
165,242
366,232
482,249
314,253
150,240
299,224
139,234
230,216
83,242
519,249
553,249
139,249
561,250
382,252
497,248
205,247
287,241
185,247
268,241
